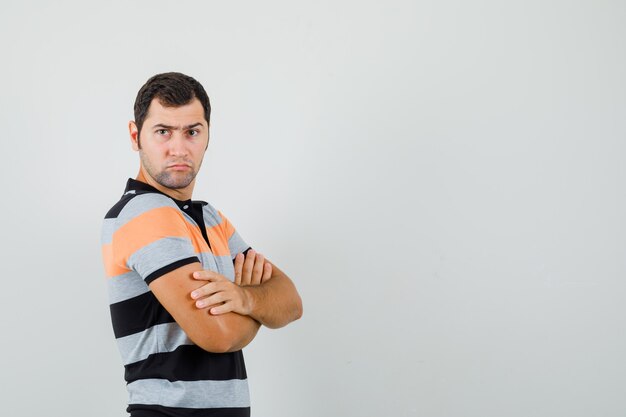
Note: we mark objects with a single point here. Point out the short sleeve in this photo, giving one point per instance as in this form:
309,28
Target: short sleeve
152,237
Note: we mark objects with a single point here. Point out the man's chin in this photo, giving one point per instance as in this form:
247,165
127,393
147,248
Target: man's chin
174,183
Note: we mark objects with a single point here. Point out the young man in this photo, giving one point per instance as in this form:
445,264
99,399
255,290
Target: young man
180,337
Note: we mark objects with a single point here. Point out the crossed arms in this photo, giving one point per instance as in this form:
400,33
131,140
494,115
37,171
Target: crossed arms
224,316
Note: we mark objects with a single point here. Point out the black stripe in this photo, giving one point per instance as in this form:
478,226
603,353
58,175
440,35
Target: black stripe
117,208
137,314
196,213
137,410
188,363
169,268
137,188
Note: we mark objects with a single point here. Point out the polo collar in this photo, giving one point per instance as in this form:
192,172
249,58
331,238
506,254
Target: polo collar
139,187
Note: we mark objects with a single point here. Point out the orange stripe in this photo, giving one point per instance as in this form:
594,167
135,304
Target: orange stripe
110,267
228,228
219,241
199,244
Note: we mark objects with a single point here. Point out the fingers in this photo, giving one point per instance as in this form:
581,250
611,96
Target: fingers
205,275
238,267
214,299
248,266
223,309
257,269
205,291
227,297
251,269
213,286
267,272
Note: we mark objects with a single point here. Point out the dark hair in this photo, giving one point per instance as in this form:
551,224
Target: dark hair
172,89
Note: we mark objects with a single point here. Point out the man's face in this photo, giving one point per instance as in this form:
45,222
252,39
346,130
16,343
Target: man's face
173,141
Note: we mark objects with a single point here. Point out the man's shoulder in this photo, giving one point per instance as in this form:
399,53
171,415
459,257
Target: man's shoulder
134,203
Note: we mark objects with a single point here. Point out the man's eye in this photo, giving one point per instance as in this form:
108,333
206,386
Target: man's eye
162,132
193,132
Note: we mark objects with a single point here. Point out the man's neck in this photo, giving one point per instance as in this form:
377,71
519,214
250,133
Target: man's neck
177,194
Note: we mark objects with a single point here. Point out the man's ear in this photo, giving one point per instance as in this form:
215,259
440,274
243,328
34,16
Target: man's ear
134,135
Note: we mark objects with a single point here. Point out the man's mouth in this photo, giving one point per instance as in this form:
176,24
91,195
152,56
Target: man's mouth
179,167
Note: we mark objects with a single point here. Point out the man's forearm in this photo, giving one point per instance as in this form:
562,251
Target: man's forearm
213,333
241,330
276,302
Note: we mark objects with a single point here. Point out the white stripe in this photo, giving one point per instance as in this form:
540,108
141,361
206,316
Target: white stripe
160,253
142,204
190,394
219,264
210,215
236,245
108,228
157,339
126,286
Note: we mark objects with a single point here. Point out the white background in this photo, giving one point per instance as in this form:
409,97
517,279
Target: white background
443,180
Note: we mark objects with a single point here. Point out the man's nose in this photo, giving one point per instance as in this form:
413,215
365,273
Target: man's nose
178,145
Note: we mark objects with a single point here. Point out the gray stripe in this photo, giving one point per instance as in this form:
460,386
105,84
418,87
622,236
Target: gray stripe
225,266
136,207
157,339
108,227
159,254
190,394
211,216
236,244
141,204
208,261
126,286
220,264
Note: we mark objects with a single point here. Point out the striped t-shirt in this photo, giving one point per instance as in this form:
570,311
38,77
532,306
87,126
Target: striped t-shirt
146,235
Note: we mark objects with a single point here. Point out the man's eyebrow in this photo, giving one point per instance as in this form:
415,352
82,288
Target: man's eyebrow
164,126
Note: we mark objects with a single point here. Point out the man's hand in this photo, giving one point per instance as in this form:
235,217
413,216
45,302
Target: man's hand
221,295
253,270
249,270
261,291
